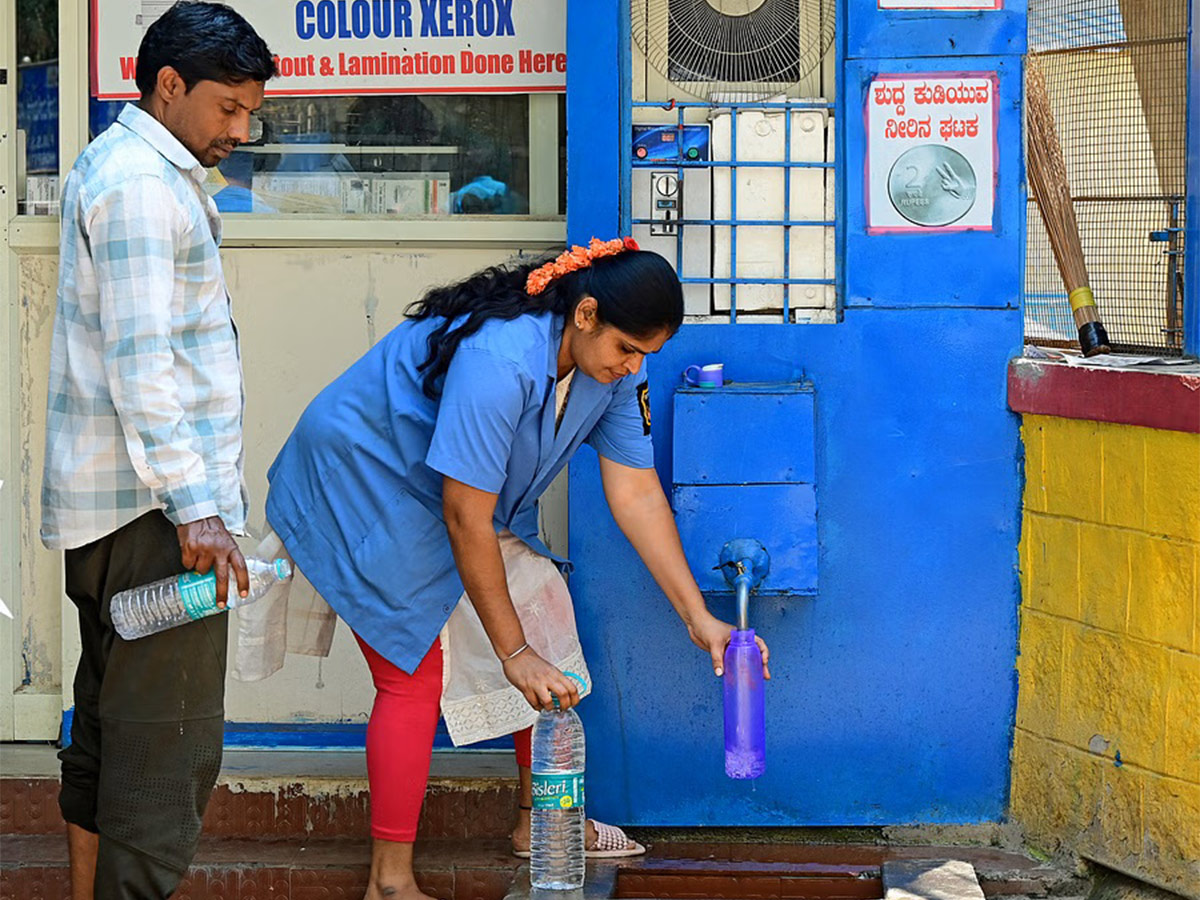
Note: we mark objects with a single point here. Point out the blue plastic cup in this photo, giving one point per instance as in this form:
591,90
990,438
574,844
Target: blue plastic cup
708,376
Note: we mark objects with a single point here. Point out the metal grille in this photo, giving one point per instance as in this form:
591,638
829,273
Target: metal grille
765,229
1116,73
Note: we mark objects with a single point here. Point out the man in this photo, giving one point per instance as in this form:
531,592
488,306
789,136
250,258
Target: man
143,475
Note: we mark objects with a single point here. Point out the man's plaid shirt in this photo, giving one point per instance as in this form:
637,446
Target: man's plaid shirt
145,400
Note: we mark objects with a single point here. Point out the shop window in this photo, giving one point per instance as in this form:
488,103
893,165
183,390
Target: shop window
401,111
384,155
37,107
402,155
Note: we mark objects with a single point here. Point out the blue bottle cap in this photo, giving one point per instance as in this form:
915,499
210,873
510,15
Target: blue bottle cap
577,677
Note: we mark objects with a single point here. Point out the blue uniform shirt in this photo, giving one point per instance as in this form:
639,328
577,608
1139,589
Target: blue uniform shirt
356,491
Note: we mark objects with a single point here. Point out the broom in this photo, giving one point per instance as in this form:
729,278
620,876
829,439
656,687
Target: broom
1048,178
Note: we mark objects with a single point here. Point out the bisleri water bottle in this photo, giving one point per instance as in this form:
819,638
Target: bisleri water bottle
557,823
152,608
745,722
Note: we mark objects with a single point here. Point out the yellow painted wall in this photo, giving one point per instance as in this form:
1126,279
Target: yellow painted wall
1110,648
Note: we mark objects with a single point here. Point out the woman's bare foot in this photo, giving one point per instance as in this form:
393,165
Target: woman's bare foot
392,873
393,890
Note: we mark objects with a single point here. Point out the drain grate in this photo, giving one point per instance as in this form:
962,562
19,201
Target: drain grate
724,880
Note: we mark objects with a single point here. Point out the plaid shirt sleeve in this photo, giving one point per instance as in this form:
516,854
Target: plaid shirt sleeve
134,230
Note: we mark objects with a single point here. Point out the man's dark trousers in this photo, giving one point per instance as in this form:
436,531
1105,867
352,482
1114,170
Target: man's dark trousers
146,736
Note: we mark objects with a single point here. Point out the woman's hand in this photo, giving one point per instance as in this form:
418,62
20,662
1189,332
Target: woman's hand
711,634
538,680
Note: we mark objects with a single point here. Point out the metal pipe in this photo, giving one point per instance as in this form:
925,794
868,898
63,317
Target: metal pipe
744,562
742,586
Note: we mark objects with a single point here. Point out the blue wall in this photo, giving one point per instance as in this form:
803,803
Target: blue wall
1191,306
894,687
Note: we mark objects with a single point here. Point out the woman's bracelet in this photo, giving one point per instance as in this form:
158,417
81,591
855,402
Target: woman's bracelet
520,649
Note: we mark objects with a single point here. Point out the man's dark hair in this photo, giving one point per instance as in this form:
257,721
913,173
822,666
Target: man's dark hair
203,42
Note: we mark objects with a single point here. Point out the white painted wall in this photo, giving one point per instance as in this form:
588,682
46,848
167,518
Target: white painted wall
304,315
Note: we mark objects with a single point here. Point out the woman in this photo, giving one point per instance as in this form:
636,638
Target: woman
392,489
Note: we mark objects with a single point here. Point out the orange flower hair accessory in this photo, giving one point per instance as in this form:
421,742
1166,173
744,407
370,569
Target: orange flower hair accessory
575,258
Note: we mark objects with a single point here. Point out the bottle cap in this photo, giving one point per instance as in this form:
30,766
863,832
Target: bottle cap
577,677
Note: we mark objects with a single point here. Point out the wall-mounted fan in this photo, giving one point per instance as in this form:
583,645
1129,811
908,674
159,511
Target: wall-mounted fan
751,48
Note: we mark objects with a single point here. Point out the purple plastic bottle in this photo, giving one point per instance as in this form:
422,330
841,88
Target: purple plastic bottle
745,724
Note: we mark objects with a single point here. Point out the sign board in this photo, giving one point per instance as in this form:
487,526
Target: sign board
357,47
931,152
941,4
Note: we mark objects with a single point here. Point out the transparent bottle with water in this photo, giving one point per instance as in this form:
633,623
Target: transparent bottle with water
152,608
556,860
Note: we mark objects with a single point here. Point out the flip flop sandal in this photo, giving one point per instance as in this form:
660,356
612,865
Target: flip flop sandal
612,842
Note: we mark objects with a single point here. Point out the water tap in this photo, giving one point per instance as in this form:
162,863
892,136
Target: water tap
745,563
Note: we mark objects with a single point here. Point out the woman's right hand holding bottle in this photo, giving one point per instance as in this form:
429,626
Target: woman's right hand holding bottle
539,681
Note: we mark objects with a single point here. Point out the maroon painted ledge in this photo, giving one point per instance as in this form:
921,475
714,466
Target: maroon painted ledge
1151,399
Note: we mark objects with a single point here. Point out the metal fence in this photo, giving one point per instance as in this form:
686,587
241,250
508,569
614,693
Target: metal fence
1116,73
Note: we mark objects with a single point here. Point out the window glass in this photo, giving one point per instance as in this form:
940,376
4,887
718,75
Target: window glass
37,106
390,155
348,130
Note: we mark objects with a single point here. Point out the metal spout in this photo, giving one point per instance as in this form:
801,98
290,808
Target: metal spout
745,563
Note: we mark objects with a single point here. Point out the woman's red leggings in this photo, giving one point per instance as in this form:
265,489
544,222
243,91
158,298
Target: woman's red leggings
400,741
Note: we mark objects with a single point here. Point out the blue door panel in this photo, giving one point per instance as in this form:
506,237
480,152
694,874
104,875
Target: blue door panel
893,691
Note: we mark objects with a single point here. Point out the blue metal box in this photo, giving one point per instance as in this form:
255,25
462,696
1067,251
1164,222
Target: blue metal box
744,434
744,466
782,516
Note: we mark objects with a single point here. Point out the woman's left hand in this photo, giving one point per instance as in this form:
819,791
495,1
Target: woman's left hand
712,634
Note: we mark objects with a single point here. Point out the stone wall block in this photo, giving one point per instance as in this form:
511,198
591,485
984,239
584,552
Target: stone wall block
1054,561
1114,697
1182,735
1162,602
1033,437
1104,576
1039,668
1123,460
1073,469
1173,484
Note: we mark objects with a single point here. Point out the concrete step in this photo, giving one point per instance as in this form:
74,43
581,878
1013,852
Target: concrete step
285,824
294,794
34,867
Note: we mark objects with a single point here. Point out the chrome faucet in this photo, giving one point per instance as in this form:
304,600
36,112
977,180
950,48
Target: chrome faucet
745,563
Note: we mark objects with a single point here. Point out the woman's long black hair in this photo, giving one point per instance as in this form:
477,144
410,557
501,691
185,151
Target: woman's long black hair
636,292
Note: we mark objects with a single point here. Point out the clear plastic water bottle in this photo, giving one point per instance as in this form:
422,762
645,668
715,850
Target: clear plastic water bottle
557,829
745,718
152,608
